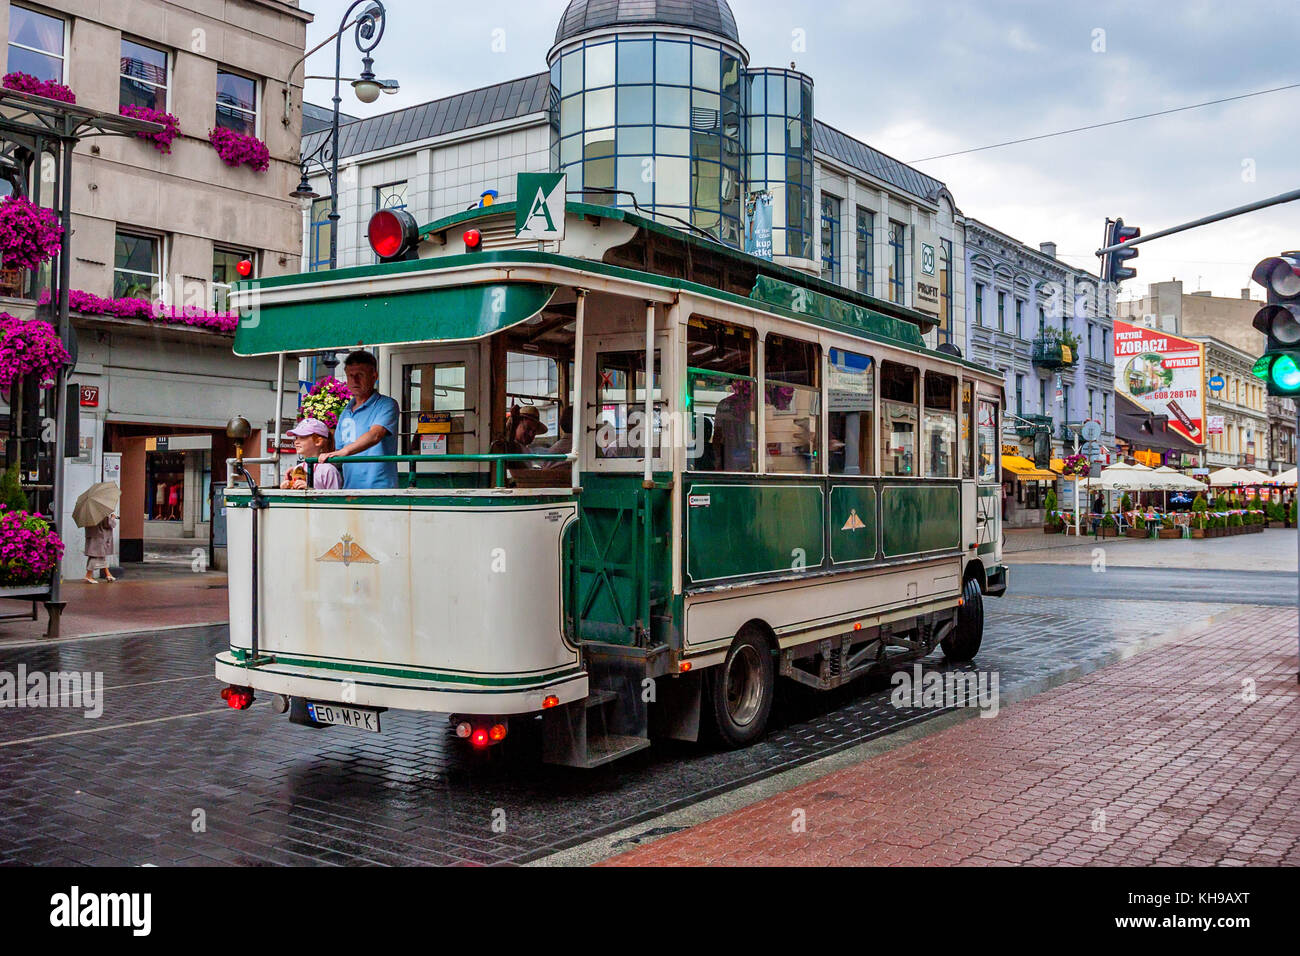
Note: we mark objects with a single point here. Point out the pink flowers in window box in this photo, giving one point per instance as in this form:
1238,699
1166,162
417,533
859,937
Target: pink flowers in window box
145,311
29,549
161,141
26,83
236,148
27,347
29,234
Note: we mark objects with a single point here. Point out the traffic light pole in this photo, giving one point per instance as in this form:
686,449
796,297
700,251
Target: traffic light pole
1291,196
1294,496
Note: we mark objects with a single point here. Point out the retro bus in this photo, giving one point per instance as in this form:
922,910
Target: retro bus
769,476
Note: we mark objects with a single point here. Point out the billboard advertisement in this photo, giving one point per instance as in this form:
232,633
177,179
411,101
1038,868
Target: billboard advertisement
1165,374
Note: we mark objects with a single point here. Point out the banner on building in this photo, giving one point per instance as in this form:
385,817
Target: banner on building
925,260
758,225
540,206
1214,425
1165,374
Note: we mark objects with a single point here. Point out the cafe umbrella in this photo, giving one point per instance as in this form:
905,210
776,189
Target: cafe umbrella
96,503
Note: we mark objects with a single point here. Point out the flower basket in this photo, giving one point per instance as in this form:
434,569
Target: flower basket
26,83
326,399
29,347
236,148
29,234
29,549
1076,466
161,141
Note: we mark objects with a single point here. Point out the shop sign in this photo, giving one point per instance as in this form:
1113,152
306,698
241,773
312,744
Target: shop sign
540,209
1164,374
925,255
287,446
90,396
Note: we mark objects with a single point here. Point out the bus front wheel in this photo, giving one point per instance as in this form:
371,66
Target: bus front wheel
741,690
968,633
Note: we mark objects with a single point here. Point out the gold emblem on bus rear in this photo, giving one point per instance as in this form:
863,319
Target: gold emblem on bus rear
854,523
347,552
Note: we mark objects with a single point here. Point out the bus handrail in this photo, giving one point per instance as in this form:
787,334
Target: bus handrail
500,461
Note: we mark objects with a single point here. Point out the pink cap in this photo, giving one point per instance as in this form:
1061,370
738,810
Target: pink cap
309,426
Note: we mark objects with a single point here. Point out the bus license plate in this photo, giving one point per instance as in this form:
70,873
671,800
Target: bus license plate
344,716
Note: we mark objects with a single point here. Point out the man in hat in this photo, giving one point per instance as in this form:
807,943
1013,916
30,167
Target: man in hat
311,438
519,440
367,427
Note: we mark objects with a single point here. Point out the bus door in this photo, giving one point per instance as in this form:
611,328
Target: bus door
438,392
988,478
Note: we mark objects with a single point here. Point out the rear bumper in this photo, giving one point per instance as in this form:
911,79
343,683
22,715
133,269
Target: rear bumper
997,581
400,693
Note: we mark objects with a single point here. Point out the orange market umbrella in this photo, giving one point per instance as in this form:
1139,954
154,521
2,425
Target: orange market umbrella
96,503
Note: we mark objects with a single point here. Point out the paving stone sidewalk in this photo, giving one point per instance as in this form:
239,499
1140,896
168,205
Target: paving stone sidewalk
1183,755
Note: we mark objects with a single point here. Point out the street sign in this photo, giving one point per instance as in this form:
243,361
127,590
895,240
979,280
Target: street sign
1216,384
1091,430
539,212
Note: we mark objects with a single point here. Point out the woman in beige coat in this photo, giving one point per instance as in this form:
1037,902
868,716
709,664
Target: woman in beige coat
99,548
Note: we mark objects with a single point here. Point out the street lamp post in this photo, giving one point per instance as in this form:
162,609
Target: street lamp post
369,31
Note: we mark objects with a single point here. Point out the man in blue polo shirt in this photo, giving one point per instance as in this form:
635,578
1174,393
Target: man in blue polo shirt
368,426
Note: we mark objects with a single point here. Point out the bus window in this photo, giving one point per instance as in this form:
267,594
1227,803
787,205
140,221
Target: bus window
851,401
791,406
940,425
898,419
720,386
967,431
620,396
986,438
535,380
433,409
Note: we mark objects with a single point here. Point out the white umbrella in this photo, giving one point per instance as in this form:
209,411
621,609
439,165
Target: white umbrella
1225,477
1285,478
1252,477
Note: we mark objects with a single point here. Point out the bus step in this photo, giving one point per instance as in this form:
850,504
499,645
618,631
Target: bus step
597,697
604,748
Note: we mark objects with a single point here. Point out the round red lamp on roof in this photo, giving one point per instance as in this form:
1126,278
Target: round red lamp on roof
393,233
244,267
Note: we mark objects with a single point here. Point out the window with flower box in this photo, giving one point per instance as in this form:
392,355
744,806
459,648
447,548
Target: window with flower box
37,43
143,80
236,102
137,265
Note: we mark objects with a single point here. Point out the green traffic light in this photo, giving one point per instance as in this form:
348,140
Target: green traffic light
1285,374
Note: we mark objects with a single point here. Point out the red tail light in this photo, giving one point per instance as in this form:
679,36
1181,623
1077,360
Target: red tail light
497,733
480,738
238,698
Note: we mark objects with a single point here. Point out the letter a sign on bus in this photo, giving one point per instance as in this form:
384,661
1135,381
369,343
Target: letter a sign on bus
539,211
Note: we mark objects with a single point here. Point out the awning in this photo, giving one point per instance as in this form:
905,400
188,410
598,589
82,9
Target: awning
1025,470
460,313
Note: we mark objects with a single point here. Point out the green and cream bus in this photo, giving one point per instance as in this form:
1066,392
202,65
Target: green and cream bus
820,496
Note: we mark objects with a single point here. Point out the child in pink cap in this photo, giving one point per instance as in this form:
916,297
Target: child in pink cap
311,437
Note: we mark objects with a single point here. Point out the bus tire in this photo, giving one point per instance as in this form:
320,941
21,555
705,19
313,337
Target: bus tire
741,689
968,633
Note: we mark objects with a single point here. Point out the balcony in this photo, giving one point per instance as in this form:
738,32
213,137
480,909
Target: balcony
1053,352
1026,431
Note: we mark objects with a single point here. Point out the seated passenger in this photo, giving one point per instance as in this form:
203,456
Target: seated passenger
527,425
311,438
564,444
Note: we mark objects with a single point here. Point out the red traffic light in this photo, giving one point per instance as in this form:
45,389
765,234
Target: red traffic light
393,233
244,267
473,240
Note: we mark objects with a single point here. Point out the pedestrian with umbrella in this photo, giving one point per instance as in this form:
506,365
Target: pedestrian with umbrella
95,512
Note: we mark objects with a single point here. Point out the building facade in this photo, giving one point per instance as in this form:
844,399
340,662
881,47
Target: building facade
1238,433
169,227
654,105
1047,327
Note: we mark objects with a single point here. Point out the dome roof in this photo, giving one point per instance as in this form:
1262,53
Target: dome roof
711,16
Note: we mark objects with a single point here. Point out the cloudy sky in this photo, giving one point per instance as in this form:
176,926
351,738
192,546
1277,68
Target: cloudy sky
921,78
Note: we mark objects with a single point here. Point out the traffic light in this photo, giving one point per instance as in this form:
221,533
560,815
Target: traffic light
1279,320
1115,270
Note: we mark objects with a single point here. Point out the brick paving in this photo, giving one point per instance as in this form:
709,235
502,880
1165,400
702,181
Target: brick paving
138,601
1183,755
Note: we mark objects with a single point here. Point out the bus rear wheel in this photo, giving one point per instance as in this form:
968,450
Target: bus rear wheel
968,633
741,690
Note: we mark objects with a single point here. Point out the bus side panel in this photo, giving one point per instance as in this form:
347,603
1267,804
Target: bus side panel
715,619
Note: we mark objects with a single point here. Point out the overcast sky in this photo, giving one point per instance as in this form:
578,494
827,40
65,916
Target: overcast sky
924,77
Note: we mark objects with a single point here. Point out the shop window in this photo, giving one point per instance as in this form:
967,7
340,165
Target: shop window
791,406
898,419
35,44
720,388
237,102
143,80
940,425
137,267
851,401
620,396
986,442
225,270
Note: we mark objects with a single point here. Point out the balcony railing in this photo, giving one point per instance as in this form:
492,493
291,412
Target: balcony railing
1050,352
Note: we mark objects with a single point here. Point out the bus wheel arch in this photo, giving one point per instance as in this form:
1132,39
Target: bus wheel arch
739,691
975,569
963,641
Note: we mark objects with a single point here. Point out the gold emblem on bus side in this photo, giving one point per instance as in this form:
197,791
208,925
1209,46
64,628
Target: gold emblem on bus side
346,552
854,523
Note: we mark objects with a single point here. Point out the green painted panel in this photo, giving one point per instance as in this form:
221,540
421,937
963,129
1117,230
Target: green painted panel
743,529
853,523
418,315
802,300
919,518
